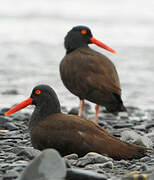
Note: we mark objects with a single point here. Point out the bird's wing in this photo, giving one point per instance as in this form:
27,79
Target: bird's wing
96,71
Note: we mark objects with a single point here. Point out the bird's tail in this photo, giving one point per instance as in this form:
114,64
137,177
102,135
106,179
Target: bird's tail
117,106
123,150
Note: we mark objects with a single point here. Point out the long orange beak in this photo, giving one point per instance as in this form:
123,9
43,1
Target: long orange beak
19,106
102,45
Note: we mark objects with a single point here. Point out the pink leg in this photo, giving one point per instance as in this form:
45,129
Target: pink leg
81,108
96,115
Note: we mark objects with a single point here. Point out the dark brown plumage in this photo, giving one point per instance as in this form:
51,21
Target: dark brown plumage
49,128
89,74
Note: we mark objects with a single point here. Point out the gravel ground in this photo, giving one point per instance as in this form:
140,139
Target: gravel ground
136,126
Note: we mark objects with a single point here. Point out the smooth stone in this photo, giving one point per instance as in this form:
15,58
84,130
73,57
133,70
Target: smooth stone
72,156
108,164
123,162
3,165
136,119
91,158
11,174
79,174
10,126
20,163
122,125
47,166
116,133
16,150
123,115
4,120
150,125
29,152
144,167
21,117
135,138
140,127
18,169
145,159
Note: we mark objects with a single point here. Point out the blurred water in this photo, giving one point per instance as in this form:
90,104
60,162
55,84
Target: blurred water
31,45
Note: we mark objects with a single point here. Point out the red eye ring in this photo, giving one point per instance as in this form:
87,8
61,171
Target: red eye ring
83,31
38,92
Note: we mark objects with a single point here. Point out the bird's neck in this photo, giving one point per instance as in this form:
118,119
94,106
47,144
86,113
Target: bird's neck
74,44
42,111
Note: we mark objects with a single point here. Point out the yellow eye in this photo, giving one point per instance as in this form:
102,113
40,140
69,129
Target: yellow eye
83,31
38,92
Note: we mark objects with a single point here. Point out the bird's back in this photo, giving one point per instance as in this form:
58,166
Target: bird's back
72,134
90,75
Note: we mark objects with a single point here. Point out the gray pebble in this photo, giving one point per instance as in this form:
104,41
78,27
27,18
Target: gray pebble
11,174
47,166
135,138
10,126
78,174
91,158
29,152
71,156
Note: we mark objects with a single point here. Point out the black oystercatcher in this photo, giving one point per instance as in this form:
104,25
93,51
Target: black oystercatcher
89,74
49,128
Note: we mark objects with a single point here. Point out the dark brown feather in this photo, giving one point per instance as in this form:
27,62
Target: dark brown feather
72,134
92,76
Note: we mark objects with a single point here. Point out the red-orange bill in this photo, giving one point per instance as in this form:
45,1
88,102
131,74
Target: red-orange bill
19,106
102,45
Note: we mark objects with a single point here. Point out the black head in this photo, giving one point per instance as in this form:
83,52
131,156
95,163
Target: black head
78,36
44,98
43,93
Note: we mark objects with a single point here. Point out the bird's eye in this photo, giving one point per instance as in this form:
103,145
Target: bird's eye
38,92
83,31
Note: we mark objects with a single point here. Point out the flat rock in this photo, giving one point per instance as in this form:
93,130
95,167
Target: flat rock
91,158
47,166
122,125
79,174
133,137
29,152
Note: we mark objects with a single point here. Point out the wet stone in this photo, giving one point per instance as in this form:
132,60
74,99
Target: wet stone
108,164
29,152
123,163
150,125
48,165
133,137
11,174
118,126
21,117
145,159
10,126
75,174
140,127
71,156
91,158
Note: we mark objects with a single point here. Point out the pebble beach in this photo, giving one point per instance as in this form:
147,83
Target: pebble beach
135,127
